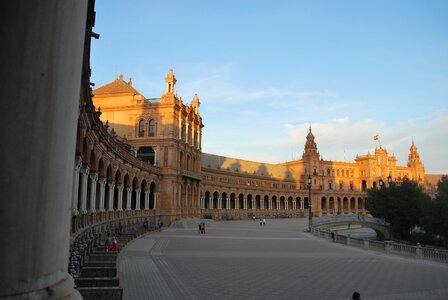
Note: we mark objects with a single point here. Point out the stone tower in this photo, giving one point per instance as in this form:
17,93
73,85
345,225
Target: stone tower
414,162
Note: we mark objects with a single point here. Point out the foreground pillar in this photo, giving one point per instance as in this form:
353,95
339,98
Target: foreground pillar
41,60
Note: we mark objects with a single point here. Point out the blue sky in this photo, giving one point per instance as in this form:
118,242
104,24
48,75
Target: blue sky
264,69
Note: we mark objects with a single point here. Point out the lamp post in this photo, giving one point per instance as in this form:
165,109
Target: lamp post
310,216
381,183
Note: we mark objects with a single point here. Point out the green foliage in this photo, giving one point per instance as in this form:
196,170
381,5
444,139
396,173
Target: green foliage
437,212
402,205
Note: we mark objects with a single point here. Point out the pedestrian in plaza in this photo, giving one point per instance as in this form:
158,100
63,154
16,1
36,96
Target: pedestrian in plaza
108,242
145,225
355,296
264,221
115,246
200,228
160,225
253,218
203,228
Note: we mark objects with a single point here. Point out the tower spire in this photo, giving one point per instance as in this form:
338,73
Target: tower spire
170,80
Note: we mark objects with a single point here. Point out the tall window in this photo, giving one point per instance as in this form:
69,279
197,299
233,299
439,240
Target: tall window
141,128
151,128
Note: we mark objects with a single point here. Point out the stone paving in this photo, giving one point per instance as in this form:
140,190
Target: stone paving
242,260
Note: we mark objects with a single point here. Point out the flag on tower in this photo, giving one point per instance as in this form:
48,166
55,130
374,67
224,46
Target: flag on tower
376,137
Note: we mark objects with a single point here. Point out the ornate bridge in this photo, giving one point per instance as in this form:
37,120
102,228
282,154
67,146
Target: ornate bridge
381,227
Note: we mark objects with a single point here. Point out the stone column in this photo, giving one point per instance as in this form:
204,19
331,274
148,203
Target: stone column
262,203
85,178
244,203
219,203
227,203
137,199
93,179
302,204
120,188
211,200
356,206
75,194
286,203
102,182
294,204
253,203
111,196
41,63
270,204
128,198
147,199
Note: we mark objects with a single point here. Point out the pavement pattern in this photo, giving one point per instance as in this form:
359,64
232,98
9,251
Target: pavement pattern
243,260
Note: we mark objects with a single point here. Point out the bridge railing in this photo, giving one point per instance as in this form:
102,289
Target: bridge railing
351,218
388,247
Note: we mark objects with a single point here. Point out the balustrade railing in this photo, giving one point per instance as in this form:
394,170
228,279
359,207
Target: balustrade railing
388,247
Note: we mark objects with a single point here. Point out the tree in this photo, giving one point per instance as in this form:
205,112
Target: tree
402,205
437,222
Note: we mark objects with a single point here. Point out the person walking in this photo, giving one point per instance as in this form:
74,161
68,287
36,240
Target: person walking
115,246
203,228
355,296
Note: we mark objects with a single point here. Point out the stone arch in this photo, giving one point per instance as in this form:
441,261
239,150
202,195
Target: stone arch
215,199
306,203
135,186
126,184
282,202
352,204
152,191
274,202
266,201
116,190
249,201
143,190
232,201
207,199
241,201
93,162
360,203
224,200
323,202
257,202
331,204
345,204
290,205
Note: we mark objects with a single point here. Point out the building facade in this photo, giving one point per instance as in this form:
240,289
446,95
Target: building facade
167,133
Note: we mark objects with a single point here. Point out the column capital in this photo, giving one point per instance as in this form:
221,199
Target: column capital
94,176
129,189
102,180
111,184
120,187
85,170
78,163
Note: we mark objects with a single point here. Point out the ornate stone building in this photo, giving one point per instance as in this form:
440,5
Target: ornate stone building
166,133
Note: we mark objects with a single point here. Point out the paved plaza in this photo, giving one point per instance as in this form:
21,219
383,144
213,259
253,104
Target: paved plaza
242,260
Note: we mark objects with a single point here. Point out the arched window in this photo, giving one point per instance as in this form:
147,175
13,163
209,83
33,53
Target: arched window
152,128
141,128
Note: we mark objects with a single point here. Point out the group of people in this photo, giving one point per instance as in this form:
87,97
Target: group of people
262,221
201,228
111,243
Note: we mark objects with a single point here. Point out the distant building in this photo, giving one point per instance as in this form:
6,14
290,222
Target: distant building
166,132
